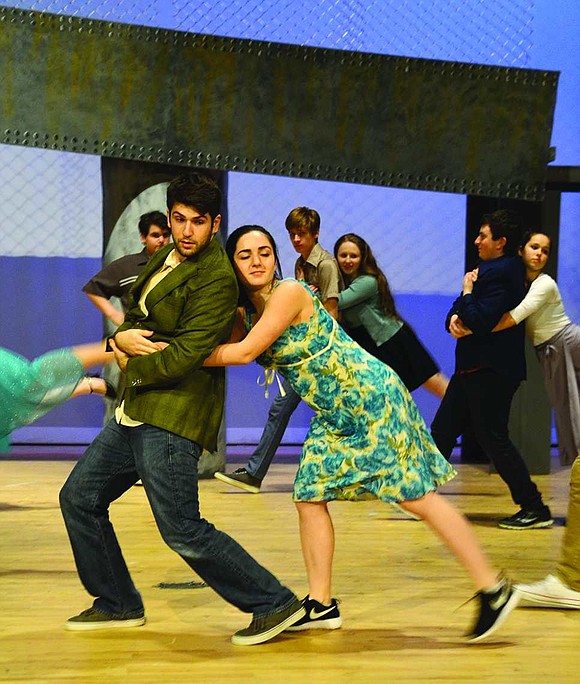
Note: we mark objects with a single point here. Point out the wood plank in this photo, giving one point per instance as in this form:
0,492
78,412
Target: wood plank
399,588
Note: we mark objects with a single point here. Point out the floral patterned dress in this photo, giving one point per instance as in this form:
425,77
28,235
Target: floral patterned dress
29,389
367,438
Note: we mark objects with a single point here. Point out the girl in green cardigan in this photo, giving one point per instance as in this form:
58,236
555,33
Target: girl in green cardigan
369,316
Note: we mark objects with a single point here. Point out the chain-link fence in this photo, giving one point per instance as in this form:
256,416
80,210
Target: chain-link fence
498,32
51,201
65,188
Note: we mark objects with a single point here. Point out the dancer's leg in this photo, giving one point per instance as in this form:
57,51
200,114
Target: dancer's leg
279,415
569,567
457,534
317,539
437,384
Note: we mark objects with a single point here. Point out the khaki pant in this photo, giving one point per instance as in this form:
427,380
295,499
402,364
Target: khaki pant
568,569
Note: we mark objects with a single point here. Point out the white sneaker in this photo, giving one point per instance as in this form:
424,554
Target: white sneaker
550,593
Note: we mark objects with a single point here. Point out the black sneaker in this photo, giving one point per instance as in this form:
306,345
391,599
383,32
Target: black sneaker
92,618
494,607
318,616
241,478
527,520
266,627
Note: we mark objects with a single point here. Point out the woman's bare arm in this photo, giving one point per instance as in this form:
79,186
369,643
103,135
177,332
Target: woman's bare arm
506,321
289,302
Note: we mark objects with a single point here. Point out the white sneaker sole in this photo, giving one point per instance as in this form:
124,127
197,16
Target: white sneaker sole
535,526
222,477
546,601
108,624
332,623
510,605
252,640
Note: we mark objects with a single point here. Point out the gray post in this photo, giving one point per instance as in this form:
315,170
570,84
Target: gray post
531,418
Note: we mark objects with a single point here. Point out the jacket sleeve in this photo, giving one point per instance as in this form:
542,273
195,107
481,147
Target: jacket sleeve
452,311
205,321
493,295
134,316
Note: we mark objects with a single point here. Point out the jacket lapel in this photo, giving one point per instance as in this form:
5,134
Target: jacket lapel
178,275
186,270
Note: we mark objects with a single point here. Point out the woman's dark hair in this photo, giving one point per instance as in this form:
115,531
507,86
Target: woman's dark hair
232,243
529,234
369,266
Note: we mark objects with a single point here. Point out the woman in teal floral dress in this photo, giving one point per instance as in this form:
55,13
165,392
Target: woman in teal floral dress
366,440
29,389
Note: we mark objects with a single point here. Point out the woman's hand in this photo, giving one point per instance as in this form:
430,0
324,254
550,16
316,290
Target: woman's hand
120,357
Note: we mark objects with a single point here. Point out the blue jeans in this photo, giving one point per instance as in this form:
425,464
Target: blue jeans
167,465
278,416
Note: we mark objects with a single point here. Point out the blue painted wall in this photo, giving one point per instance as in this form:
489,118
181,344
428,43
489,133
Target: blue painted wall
51,201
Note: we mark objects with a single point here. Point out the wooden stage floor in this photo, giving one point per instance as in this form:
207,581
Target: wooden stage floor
400,592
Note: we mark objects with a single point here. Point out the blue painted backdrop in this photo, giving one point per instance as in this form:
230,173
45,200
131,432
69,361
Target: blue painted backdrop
51,234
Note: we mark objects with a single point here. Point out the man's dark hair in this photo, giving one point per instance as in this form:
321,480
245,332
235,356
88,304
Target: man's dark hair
196,190
505,223
152,218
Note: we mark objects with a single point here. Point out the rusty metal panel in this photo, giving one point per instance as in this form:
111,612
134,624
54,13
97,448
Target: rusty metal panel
195,100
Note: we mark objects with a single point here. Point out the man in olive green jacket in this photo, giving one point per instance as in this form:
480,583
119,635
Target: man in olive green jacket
191,309
181,307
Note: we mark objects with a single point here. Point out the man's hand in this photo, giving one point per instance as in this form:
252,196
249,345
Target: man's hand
456,327
134,342
468,280
120,357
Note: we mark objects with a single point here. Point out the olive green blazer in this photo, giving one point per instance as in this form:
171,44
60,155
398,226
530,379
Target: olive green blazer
192,309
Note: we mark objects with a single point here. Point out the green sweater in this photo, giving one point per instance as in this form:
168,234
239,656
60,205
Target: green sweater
359,306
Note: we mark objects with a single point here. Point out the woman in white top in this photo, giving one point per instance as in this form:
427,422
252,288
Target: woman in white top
556,340
557,343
